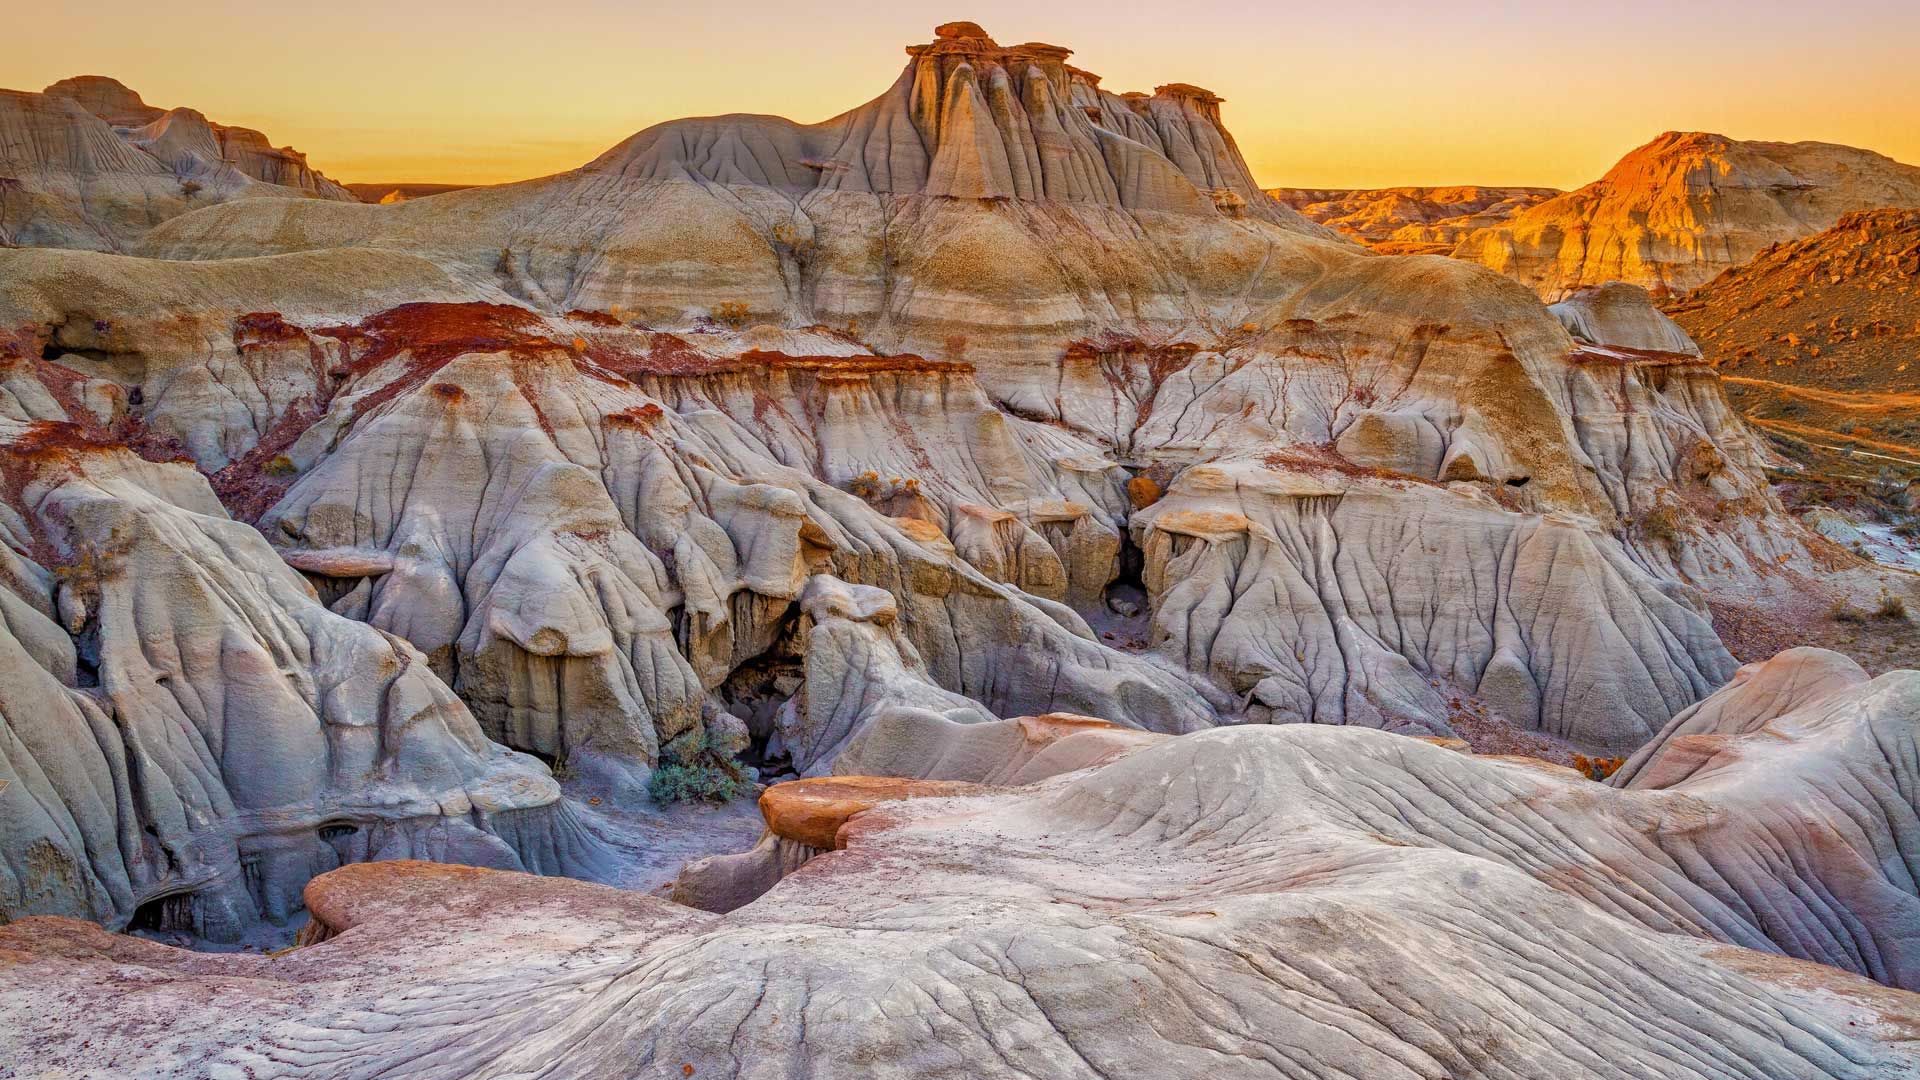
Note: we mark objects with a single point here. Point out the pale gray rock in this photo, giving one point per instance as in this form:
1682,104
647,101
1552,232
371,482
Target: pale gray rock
1295,901
188,736
1623,315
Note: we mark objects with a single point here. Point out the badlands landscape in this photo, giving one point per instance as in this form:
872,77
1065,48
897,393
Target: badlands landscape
977,586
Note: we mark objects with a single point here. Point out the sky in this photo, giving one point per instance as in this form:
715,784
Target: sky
1319,94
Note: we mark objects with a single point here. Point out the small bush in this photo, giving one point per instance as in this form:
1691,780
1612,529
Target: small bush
732,313
1143,492
190,188
703,778
1892,608
1843,612
281,465
711,773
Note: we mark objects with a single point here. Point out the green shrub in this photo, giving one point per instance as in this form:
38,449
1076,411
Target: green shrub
710,772
703,778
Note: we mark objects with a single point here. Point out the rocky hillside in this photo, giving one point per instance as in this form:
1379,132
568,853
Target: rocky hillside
1676,212
87,164
1411,220
1818,343
1821,337
1179,639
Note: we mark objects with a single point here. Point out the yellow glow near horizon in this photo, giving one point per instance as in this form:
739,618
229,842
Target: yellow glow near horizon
1480,91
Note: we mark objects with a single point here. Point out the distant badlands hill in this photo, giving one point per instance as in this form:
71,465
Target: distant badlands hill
393,193
1676,212
1411,220
87,164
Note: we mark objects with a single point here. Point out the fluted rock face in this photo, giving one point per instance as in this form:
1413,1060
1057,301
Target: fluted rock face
90,165
186,735
1674,213
1241,902
985,175
1531,615
971,119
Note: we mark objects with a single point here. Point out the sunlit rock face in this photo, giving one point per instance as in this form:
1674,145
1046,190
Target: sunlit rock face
1412,220
1673,214
87,164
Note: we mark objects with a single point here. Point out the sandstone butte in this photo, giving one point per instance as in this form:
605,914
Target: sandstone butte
1163,637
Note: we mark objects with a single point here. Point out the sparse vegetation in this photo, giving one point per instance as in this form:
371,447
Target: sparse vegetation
1891,608
1143,491
1598,768
1663,522
280,466
1843,612
190,188
709,776
732,313
872,488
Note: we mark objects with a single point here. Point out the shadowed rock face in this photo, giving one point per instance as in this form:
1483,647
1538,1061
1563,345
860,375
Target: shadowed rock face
1676,212
90,165
1249,902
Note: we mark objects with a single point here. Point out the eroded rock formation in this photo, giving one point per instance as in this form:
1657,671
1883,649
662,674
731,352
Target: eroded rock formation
1674,213
87,164
1237,901
188,735
999,459
1412,220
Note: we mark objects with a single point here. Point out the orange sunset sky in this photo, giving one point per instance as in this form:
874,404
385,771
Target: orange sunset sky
1318,95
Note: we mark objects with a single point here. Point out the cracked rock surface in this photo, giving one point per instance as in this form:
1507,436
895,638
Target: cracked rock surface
1260,901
